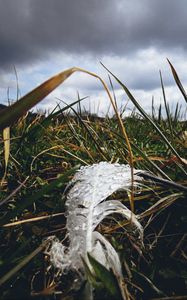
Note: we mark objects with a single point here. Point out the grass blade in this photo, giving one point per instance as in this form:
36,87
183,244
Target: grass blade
6,138
160,205
142,111
12,113
107,278
25,261
177,80
165,103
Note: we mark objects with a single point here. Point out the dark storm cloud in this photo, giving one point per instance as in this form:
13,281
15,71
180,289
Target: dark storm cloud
30,29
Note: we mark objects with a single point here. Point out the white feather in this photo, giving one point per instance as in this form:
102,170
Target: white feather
86,208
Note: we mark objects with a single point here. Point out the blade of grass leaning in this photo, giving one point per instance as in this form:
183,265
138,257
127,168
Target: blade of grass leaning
25,261
152,285
164,182
36,130
9,260
123,130
177,80
13,193
61,147
12,113
165,103
36,219
60,111
160,205
142,111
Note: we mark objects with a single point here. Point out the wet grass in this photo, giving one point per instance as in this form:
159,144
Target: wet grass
37,162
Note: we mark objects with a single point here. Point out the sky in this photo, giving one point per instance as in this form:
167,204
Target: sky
39,38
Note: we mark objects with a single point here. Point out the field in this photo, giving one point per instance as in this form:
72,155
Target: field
40,158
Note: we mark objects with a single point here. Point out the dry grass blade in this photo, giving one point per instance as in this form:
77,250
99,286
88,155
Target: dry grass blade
161,204
146,116
14,192
61,147
42,152
12,113
6,140
159,292
164,182
32,220
123,130
177,80
25,261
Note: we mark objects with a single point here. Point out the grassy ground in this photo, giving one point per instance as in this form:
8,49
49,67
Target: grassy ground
45,152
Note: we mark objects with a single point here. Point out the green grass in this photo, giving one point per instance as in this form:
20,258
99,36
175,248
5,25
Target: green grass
44,154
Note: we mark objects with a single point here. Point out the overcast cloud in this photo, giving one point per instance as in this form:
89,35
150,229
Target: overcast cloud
132,38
